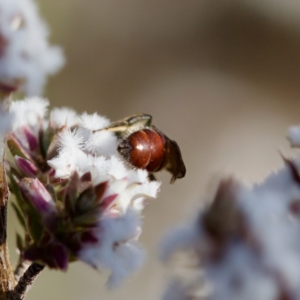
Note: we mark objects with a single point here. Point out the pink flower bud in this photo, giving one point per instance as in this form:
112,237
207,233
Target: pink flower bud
34,191
26,167
30,137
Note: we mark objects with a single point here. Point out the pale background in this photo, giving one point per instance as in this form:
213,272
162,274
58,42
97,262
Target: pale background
219,77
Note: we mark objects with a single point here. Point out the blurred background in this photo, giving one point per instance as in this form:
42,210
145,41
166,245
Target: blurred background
219,77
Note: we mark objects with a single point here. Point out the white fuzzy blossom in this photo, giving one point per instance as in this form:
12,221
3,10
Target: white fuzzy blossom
120,227
245,245
97,142
26,58
81,149
29,112
64,116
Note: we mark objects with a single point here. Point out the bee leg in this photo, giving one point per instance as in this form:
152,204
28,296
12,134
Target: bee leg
152,177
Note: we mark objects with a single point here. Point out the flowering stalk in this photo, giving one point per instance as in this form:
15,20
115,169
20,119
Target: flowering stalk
25,61
75,197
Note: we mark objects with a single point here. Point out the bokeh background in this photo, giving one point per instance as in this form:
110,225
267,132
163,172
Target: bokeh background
219,77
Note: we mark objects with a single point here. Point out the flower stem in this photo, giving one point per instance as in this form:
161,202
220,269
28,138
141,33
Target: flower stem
21,268
7,281
25,282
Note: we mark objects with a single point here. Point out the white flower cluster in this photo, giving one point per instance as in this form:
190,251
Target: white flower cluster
86,151
82,151
246,244
25,55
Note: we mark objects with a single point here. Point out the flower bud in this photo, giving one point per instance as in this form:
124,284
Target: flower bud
34,191
26,167
30,137
15,147
53,254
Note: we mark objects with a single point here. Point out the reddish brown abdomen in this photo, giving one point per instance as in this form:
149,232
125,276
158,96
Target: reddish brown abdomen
140,153
157,142
144,149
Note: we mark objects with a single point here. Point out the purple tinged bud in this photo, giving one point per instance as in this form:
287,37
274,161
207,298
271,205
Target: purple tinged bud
26,167
35,192
30,137
15,146
59,256
108,201
55,255
86,177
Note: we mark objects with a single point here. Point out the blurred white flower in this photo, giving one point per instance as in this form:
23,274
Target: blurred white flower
246,242
26,58
117,248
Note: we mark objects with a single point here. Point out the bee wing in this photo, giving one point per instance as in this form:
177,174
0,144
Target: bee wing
175,164
132,123
143,120
115,127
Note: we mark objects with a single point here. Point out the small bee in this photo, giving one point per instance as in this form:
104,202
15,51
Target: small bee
146,147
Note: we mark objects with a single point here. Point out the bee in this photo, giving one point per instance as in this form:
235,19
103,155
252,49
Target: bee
146,147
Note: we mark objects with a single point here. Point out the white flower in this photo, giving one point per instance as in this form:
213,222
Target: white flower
100,196
246,242
25,55
117,249
98,142
64,116
29,112
120,226
70,154
94,121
